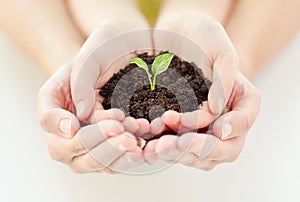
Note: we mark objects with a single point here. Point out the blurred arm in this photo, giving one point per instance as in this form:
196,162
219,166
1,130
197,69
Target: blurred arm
43,29
92,14
217,9
259,29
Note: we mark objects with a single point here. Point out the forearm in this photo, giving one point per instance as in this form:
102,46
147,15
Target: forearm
259,29
92,14
43,29
216,9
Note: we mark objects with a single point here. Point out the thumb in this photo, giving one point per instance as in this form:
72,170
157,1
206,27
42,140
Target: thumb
60,122
83,84
52,101
97,56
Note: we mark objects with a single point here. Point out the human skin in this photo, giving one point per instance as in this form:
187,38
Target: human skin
209,35
102,146
68,38
43,29
55,104
227,128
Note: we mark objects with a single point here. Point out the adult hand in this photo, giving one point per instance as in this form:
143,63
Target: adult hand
208,35
102,146
106,51
205,151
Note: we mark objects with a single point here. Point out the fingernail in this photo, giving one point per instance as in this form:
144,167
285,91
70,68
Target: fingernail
226,130
65,127
80,108
221,103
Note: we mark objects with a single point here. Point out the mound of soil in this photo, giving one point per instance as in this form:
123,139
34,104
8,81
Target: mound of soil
181,88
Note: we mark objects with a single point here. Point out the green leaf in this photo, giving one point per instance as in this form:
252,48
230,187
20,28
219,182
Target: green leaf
161,63
140,63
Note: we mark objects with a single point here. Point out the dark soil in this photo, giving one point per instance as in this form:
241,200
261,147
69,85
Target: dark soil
181,88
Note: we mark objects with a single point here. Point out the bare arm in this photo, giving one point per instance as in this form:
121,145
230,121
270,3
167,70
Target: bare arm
43,29
92,14
259,29
49,34
217,9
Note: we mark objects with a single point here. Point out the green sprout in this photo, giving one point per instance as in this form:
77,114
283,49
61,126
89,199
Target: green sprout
159,65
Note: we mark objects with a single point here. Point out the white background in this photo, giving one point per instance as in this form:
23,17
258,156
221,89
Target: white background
267,170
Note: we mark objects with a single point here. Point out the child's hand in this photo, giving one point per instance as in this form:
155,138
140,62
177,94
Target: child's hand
205,151
103,146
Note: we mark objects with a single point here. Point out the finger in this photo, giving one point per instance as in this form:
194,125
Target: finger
130,124
224,73
191,160
172,119
59,148
149,152
86,164
166,148
127,161
91,63
188,158
245,104
53,105
87,138
92,135
157,126
227,151
108,151
205,165
109,171
200,145
144,127
213,38
110,114
60,122
197,119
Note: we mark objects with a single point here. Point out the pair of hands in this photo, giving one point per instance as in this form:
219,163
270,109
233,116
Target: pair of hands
107,143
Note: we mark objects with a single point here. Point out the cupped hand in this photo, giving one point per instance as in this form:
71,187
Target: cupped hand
203,41
106,51
205,151
102,146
